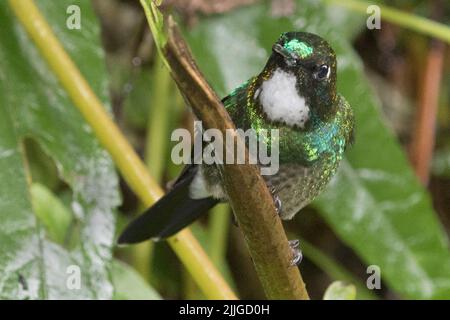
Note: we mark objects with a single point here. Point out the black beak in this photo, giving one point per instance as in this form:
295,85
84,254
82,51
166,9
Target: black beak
287,55
292,58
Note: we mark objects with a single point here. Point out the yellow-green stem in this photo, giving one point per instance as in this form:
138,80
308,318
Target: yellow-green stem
158,121
401,18
141,254
218,231
155,150
127,161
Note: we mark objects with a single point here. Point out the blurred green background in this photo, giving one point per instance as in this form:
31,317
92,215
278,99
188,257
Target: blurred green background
62,203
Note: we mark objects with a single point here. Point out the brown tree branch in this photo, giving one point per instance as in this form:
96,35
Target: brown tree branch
249,197
423,139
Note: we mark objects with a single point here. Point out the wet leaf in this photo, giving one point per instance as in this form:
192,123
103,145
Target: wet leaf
34,105
375,204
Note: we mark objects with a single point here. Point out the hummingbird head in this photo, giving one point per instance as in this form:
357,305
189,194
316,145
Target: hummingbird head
299,81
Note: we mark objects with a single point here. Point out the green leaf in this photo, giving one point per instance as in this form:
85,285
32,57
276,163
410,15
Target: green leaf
155,21
34,105
49,209
375,204
129,285
338,290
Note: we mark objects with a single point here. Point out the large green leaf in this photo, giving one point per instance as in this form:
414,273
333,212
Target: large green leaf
375,204
34,105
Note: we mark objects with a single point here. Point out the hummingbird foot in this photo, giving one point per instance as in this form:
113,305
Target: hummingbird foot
234,220
276,200
297,255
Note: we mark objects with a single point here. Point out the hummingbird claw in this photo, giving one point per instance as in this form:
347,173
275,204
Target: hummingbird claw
277,203
297,255
294,243
234,220
276,199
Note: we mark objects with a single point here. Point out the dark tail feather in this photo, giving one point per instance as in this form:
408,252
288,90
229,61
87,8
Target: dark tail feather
169,215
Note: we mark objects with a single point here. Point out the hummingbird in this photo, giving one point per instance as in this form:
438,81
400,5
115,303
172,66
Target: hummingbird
296,94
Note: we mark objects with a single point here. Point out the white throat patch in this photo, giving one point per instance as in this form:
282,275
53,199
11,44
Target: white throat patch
280,100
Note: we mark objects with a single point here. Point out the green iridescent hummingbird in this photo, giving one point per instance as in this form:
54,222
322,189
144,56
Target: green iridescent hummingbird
296,94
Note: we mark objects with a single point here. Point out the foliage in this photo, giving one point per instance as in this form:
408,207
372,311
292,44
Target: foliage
59,192
33,105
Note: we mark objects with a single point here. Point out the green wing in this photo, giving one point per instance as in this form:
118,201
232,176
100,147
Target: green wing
236,105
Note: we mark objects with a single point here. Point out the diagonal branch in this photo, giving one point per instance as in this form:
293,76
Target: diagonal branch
249,197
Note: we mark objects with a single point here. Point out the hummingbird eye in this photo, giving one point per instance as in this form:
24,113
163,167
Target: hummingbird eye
322,72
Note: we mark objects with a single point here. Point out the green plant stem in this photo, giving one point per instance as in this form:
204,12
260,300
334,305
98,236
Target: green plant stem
401,18
218,233
158,121
125,158
141,254
155,150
